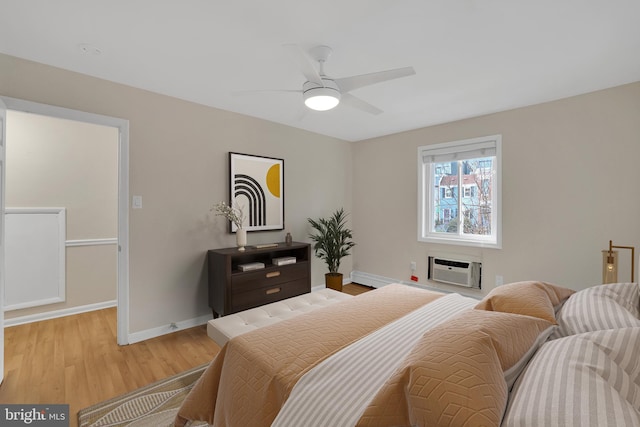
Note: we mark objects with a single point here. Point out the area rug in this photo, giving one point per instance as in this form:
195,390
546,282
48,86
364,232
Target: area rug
155,405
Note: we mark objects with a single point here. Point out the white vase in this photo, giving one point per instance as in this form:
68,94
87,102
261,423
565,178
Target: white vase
241,238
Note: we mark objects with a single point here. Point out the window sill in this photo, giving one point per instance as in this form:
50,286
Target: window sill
452,240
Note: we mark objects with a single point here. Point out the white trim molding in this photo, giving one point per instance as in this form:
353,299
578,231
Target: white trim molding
430,184
123,191
59,313
91,242
372,280
375,281
172,327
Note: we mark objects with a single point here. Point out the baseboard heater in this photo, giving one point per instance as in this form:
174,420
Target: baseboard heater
467,274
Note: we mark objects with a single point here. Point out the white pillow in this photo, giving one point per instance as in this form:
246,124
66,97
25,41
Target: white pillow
601,307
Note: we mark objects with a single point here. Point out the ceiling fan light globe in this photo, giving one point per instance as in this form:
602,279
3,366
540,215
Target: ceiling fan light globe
321,98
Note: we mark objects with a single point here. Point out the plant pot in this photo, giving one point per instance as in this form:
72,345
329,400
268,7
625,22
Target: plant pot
333,281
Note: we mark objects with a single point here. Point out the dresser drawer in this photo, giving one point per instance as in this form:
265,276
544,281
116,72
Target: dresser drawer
267,294
247,281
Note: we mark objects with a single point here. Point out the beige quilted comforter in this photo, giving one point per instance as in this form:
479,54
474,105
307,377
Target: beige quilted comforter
249,380
456,370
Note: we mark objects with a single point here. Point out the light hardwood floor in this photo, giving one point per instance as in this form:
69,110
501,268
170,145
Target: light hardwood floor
76,360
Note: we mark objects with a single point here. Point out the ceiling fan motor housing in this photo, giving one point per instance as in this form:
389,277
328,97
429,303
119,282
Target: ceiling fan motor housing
321,98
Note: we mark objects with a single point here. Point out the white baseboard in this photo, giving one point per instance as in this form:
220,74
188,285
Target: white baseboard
372,280
167,329
132,338
58,313
376,281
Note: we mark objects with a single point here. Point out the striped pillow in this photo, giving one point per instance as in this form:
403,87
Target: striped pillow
590,379
600,307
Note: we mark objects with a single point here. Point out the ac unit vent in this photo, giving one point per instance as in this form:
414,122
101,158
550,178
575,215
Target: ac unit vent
455,272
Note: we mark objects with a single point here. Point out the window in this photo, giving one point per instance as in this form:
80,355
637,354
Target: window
459,192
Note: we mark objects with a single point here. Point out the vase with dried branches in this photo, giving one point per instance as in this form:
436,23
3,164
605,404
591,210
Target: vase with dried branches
235,214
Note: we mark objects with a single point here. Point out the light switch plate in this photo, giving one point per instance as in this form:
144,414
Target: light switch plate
137,202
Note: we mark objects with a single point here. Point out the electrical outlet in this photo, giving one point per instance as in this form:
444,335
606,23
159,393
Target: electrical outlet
499,280
413,266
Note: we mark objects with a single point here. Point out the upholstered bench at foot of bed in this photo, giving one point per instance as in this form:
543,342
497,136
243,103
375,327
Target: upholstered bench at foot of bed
224,328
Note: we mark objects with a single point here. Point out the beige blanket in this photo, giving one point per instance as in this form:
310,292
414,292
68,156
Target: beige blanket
338,391
250,379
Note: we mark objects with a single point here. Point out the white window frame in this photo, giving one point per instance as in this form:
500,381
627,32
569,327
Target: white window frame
428,155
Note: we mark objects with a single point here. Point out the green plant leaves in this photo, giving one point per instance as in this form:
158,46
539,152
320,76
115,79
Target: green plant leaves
332,239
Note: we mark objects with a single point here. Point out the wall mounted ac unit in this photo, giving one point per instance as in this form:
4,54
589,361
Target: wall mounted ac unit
455,272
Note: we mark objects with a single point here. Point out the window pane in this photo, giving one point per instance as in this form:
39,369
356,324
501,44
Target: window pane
478,175
476,197
445,203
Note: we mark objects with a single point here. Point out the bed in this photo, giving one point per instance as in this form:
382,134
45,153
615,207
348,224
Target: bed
528,354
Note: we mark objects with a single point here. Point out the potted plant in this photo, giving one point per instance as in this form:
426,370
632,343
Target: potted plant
332,242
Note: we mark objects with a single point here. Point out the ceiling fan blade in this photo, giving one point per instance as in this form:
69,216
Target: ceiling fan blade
305,64
244,92
358,103
347,84
301,114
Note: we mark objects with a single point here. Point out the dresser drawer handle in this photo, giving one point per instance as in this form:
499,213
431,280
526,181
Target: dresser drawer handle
272,291
273,274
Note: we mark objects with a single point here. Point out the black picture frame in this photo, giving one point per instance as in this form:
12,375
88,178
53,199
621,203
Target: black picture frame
256,185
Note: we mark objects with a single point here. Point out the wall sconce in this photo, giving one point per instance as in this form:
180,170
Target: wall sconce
610,263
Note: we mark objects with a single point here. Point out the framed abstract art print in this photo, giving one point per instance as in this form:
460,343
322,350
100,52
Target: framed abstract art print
257,187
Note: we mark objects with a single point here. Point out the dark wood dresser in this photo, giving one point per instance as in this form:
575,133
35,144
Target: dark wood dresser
232,290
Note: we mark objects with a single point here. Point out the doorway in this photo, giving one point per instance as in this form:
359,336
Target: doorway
119,128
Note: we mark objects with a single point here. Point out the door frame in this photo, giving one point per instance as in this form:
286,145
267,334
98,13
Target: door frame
3,134
123,193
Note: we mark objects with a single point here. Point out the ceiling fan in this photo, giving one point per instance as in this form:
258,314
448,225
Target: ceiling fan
321,92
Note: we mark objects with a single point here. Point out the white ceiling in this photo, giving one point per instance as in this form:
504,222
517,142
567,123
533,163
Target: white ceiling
471,57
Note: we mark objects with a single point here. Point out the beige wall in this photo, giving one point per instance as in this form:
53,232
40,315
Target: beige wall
62,163
178,164
570,183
